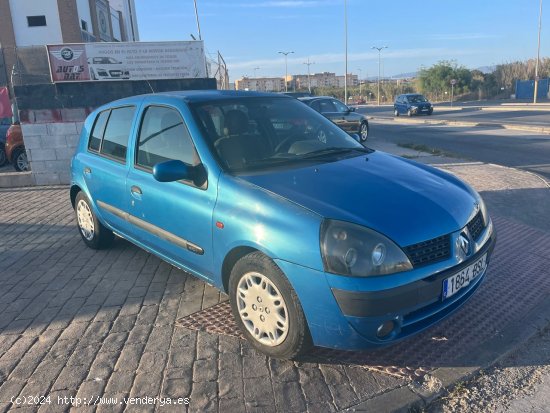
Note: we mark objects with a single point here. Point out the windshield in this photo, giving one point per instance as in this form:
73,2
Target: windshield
255,133
417,99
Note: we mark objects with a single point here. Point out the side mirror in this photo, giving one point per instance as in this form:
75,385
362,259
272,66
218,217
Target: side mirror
351,109
356,137
171,171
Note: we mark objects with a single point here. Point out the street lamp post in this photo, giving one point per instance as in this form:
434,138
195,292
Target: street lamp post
286,67
379,59
346,48
538,58
360,83
308,63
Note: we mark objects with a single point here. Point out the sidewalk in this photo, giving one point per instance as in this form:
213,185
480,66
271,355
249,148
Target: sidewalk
122,323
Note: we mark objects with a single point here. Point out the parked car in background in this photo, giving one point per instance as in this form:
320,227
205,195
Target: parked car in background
343,116
412,104
315,238
15,148
4,126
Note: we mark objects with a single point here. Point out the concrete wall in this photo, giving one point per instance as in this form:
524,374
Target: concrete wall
30,36
50,147
52,116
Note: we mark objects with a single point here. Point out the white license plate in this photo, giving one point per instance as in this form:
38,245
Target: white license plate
462,279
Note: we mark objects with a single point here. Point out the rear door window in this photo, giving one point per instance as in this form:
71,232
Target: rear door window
97,131
117,132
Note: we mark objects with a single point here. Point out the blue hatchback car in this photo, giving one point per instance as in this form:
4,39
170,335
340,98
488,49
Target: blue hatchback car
412,104
316,239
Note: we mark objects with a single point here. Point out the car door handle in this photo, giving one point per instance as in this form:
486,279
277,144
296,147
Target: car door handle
136,190
87,171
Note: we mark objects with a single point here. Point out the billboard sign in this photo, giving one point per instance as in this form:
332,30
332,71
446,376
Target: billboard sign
126,61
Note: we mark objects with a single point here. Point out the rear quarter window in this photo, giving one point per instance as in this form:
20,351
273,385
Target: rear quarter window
97,132
117,133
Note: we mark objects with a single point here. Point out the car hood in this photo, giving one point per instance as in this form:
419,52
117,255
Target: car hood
404,200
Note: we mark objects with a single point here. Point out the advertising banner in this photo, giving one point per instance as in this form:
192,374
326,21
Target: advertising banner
5,105
126,61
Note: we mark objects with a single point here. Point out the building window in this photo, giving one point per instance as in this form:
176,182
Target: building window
84,25
36,21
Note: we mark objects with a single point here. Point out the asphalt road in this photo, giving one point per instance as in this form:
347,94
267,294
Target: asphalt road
518,149
518,117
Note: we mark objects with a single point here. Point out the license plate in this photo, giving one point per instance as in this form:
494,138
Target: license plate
462,279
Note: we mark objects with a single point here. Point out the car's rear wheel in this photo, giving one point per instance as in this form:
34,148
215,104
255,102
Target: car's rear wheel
266,307
20,161
396,112
364,131
94,234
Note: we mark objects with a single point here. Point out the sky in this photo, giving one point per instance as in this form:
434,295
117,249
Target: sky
250,33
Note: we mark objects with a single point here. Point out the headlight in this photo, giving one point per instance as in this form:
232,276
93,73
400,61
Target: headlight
350,249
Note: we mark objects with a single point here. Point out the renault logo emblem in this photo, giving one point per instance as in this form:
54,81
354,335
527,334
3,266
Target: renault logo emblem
464,244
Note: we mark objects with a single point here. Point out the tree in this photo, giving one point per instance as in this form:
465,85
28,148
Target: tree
436,80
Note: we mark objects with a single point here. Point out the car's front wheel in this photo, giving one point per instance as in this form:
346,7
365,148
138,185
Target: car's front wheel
364,131
409,113
266,307
395,112
94,234
20,161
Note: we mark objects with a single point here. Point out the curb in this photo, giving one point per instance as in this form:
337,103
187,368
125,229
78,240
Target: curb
538,129
408,398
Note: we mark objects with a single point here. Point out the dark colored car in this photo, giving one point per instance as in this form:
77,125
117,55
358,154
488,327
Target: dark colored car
15,148
4,126
343,116
412,104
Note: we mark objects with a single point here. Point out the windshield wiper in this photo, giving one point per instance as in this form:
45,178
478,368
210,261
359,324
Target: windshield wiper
333,150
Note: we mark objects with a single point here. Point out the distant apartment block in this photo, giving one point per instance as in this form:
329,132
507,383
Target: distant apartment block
261,84
325,79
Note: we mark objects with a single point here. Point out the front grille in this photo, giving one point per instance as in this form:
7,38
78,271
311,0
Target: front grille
476,225
428,252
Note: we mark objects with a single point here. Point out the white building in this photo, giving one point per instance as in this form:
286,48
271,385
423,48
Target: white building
262,84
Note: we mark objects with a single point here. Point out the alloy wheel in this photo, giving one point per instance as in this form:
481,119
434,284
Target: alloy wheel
85,220
262,309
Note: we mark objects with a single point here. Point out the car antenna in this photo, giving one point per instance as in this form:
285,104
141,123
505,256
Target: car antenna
147,80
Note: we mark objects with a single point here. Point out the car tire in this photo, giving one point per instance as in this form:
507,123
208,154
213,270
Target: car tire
94,234
19,160
430,112
409,113
395,113
364,131
3,156
267,309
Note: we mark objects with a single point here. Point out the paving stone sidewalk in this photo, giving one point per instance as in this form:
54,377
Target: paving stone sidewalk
100,326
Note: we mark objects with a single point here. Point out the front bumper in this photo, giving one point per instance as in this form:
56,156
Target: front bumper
346,312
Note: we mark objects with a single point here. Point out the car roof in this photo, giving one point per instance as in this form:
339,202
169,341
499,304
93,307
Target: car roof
199,96
309,98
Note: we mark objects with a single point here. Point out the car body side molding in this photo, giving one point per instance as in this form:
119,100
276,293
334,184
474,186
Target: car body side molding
153,229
